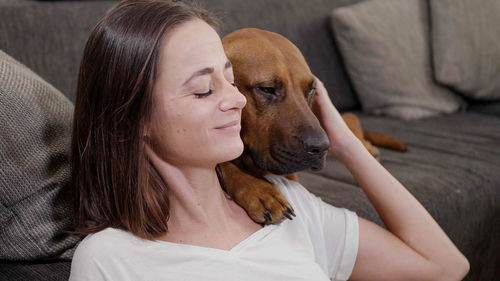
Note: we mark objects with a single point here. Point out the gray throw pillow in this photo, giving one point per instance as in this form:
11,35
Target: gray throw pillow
386,51
35,135
466,46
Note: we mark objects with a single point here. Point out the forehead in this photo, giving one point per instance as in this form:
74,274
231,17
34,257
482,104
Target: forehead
189,46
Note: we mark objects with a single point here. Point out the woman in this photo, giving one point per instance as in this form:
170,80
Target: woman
157,109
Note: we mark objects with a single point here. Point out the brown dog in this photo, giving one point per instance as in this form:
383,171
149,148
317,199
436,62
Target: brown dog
280,132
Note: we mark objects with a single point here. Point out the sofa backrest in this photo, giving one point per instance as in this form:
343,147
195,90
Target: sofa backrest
49,36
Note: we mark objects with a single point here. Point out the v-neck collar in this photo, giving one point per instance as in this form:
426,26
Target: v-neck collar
262,232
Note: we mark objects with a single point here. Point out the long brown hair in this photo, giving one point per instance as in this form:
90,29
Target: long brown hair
113,183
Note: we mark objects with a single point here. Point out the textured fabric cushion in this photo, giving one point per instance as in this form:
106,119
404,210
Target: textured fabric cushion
35,134
466,46
45,270
386,49
452,167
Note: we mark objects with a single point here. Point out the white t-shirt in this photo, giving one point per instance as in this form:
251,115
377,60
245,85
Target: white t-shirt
320,243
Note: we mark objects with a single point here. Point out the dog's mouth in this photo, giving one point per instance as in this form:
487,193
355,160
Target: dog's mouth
282,160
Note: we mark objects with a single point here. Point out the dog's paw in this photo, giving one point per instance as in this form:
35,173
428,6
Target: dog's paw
264,202
261,199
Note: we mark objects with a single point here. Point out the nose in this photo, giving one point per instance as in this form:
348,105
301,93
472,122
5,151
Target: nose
232,98
316,143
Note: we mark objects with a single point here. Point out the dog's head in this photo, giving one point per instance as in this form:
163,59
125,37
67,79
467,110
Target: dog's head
279,130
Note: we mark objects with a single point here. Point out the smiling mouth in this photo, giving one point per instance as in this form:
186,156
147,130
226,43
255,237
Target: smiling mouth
231,126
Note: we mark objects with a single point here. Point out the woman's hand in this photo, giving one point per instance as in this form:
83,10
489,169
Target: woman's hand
339,134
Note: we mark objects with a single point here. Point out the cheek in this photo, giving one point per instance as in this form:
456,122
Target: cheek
190,122
180,129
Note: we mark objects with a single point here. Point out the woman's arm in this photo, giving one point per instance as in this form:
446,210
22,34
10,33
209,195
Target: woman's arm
415,247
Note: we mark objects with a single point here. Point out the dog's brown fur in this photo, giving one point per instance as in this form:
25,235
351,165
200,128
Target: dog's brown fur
280,133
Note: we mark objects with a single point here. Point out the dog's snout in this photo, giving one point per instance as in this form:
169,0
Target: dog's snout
316,143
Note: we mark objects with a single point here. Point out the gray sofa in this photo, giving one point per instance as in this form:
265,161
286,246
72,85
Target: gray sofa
452,164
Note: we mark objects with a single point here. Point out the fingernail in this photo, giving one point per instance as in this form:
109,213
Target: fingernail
287,214
268,215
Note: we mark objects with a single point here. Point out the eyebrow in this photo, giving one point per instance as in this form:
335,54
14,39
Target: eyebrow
204,71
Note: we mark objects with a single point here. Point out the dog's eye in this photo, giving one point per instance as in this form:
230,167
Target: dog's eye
267,90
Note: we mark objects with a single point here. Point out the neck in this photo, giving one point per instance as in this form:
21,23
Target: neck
197,200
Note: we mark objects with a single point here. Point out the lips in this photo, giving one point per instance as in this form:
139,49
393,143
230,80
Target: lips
233,125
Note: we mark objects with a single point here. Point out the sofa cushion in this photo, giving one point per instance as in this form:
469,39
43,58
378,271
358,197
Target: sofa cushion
38,270
466,46
386,49
452,167
35,134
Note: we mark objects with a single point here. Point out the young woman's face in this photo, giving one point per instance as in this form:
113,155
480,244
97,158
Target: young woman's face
197,109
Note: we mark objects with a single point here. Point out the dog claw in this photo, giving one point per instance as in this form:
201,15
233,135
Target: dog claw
268,215
291,211
287,214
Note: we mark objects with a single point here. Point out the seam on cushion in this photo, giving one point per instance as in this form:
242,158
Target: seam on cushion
5,215
407,105
28,234
27,231
25,234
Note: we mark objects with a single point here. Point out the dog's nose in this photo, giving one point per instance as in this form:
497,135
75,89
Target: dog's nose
316,143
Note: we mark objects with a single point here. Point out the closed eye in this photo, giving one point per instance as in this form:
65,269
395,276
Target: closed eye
206,94
202,95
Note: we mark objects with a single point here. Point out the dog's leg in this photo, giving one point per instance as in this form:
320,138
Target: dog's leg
385,141
292,177
261,199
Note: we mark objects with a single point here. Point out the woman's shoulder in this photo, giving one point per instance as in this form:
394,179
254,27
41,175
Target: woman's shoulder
96,254
106,235
99,244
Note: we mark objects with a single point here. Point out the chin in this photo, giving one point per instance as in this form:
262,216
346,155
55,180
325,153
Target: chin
231,151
